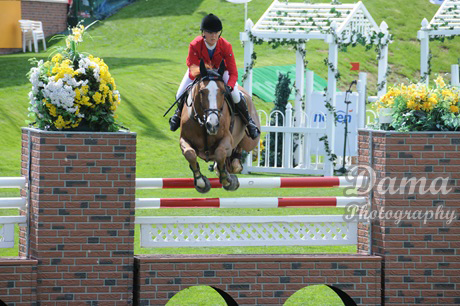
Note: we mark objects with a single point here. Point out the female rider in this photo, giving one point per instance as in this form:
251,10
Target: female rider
212,49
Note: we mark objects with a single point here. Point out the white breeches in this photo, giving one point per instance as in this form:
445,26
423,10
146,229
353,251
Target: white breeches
187,81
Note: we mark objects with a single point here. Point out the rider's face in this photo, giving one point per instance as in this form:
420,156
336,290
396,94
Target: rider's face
211,37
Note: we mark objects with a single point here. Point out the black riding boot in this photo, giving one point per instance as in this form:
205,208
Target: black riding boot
242,108
174,121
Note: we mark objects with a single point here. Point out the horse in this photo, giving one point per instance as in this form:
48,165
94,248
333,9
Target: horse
207,131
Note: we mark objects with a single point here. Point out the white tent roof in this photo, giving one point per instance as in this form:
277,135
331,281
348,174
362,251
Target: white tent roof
447,17
295,20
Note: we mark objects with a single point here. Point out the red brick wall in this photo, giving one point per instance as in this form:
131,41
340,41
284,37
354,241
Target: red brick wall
258,279
82,233
53,15
82,215
18,281
421,261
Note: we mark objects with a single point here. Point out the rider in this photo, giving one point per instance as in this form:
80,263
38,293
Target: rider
212,49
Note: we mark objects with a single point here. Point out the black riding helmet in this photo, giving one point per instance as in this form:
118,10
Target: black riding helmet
211,23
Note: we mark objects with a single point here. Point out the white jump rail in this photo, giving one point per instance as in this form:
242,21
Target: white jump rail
12,182
142,203
270,182
7,223
213,231
249,230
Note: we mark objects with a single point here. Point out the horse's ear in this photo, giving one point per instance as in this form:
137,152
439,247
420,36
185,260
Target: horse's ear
222,68
203,70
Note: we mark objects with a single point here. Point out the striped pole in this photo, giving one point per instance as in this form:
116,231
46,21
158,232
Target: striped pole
271,182
248,202
12,182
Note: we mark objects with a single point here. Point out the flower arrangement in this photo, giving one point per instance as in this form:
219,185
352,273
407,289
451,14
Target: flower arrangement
73,90
417,107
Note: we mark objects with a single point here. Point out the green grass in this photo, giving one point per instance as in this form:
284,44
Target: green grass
145,46
319,295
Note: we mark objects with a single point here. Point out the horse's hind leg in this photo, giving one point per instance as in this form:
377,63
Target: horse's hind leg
200,181
228,181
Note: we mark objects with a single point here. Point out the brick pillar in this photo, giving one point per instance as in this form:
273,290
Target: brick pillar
81,215
420,259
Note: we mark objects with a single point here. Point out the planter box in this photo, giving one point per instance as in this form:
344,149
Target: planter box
419,255
82,201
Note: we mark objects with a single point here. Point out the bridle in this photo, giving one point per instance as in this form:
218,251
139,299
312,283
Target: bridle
211,76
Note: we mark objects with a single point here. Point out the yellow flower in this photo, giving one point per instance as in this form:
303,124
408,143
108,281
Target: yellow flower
59,123
447,93
440,82
77,94
454,109
97,97
411,104
427,106
57,58
432,100
84,89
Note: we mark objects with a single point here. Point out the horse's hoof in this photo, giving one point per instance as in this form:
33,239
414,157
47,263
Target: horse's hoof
234,183
203,180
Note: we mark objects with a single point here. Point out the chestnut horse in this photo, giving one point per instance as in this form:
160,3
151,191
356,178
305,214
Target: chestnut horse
206,130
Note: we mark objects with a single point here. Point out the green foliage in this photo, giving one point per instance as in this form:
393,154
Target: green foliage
282,92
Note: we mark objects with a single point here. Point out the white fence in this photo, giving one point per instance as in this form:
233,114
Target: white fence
246,231
212,231
454,75
300,149
7,223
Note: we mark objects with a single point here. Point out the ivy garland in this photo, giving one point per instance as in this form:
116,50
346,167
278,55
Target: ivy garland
373,40
332,156
381,85
333,69
440,38
426,74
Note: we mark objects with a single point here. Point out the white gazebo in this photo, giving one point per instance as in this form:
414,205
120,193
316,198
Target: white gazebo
445,23
336,24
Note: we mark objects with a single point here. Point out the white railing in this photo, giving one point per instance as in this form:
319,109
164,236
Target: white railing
246,231
212,231
299,147
7,223
454,75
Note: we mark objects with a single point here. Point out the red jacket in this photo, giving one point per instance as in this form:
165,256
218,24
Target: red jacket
197,50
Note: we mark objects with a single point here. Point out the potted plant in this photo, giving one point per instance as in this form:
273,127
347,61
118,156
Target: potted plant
418,107
73,90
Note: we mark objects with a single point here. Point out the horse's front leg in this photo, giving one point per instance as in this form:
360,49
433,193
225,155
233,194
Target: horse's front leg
224,150
200,181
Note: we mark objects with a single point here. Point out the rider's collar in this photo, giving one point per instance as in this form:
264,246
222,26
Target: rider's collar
209,46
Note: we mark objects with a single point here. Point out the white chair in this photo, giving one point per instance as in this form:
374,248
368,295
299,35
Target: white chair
27,34
37,33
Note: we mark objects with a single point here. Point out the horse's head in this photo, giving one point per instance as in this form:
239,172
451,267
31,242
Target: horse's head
209,97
